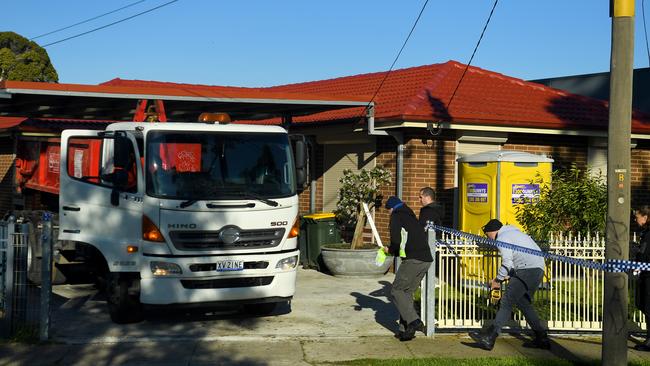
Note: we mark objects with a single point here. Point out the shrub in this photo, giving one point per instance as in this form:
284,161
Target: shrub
574,201
357,188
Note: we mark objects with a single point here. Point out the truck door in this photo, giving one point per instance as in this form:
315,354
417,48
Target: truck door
100,201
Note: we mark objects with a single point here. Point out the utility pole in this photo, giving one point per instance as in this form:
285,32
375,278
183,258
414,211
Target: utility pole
614,351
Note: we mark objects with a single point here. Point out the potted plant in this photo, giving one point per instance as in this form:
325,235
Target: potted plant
356,258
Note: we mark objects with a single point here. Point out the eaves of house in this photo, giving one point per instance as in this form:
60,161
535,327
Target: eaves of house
485,100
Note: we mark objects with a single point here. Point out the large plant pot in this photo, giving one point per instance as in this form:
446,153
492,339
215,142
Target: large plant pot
354,262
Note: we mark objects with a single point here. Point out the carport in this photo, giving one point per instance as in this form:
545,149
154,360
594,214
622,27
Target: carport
32,116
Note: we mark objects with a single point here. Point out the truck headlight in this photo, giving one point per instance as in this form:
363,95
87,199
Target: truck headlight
165,268
287,263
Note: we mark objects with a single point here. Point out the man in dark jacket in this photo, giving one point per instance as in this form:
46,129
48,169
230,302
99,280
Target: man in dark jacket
430,211
409,242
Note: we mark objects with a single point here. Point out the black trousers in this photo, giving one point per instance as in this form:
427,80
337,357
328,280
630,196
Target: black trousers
520,291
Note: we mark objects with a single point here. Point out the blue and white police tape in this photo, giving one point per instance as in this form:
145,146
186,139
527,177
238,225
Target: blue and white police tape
612,265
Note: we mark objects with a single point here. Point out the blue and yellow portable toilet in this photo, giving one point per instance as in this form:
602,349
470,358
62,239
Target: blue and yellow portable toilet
492,184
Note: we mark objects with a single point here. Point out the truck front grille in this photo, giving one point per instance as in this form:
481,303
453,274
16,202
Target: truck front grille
227,282
211,240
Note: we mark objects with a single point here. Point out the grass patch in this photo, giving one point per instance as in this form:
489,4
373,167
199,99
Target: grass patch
483,361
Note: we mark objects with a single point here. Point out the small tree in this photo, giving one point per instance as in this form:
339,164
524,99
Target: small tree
575,201
357,188
24,60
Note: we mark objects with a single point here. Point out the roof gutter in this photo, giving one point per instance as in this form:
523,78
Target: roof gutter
399,138
529,130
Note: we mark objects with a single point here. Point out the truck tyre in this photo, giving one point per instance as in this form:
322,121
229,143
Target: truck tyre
261,309
123,298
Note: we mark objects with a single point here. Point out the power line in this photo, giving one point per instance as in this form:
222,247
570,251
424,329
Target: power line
398,54
473,53
645,30
110,24
87,20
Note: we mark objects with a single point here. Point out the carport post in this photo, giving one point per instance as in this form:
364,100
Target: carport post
46,276
428,292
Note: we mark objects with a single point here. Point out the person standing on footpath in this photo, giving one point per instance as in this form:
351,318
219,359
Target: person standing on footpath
409,242
642,293
525,272
430,211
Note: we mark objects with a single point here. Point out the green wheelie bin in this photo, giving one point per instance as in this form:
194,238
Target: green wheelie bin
317,229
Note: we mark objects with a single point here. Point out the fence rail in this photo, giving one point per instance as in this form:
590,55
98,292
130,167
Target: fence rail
569,298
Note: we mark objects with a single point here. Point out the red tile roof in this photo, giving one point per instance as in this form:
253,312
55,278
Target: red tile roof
422,94
9,122
134,87
49,124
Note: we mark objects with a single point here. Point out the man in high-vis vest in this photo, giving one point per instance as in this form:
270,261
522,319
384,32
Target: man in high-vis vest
408,241
524,272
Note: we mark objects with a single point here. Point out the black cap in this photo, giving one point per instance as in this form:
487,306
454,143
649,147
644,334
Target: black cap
393,202
492,225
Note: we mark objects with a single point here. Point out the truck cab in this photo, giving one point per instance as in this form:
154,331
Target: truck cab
184,214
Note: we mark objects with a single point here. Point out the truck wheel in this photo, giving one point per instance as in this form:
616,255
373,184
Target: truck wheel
123,298
260,309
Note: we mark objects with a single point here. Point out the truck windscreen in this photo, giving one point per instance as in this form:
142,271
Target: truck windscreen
208,166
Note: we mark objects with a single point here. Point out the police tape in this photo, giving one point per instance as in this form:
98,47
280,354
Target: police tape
612,265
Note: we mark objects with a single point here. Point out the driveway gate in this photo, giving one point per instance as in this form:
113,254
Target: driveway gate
24,307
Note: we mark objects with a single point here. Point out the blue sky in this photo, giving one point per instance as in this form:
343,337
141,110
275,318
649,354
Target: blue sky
264,43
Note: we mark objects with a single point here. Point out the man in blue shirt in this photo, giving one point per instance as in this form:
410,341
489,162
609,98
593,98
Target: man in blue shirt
525,272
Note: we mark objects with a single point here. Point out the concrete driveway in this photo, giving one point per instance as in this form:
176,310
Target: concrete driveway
323,306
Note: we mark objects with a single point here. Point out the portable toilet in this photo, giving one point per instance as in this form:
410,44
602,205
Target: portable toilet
491,185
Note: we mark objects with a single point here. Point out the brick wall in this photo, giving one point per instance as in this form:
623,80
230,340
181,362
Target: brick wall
6,174
386,153
430,161
427,162
640,176
304,195
564,150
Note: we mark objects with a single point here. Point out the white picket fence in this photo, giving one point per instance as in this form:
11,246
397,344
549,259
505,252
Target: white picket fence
570,297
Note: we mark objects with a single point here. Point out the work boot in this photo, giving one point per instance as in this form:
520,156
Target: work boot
643,347
540,341
402,328
485,339
411,328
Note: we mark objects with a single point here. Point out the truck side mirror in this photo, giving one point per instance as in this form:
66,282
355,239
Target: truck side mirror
301,155
124,161
120,179
122,151
300,152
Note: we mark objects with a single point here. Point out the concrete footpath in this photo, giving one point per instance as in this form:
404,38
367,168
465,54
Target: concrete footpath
291,351
330,320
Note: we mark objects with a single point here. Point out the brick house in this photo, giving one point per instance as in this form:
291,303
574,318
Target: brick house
413,118
416,132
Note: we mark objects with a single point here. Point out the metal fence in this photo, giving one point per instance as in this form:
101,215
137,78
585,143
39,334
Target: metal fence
24,307
570,297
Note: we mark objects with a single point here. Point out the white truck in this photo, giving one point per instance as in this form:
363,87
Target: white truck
184,214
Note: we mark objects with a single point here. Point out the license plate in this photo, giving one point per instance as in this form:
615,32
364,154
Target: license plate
230,265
